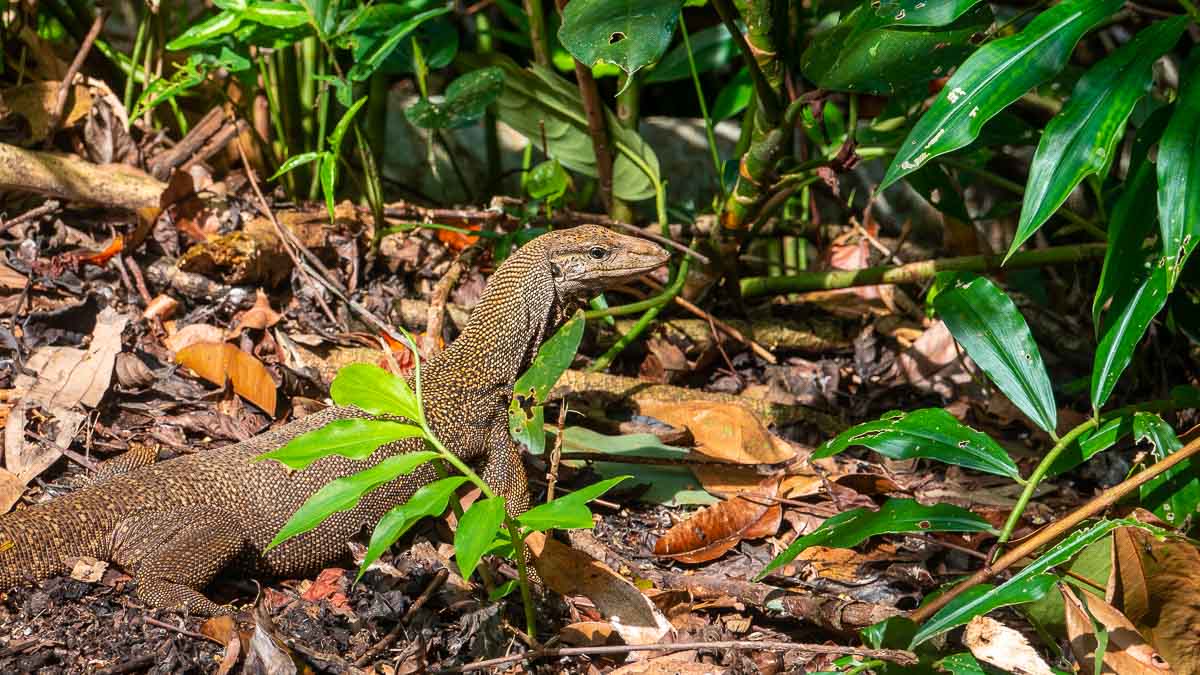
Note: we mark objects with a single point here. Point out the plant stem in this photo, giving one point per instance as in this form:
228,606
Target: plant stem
537,32
1191,9
139,43
768,99
865,666
918,271
708,125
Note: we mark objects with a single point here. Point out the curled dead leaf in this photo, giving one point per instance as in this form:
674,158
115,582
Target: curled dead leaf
259,317
715,529
1126,652
725,431
194,333
994,643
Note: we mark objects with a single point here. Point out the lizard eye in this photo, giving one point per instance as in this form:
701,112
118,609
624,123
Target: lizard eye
597,252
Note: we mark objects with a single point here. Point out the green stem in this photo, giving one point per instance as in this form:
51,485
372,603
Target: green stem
865,666
1191,9
537,32
139,43
1043,467
918,271
708,125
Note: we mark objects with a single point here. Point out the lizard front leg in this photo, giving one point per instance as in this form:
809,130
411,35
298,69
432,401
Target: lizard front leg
504,472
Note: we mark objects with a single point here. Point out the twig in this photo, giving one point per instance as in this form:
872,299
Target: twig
37,212
732,332
387,640
556,453
1058,528
899,656
182,631
64,87
437,300
917,271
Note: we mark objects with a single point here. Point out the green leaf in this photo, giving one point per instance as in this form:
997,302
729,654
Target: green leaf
352,438
547,180
546,109
1179,180
568,512
328,173
296,161
504,590
962,663
922,12
992,331
630,34
1092,443
712,48
465,101
374,390
960,612
932,433
853,527
1173,495
665,485
428,500
368,64
476,529
206,31
343,494
552,360
1081,140
734,96
276,14
1130,316
995,76
343,125
868,53
1125,259
981,599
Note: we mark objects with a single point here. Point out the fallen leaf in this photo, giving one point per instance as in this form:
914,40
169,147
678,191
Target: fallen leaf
101,258
87,569
194,333
258,317
221,362
457,241
1126,652
715,529
588,633
570,571
725,431
996,644
1171,621
162,307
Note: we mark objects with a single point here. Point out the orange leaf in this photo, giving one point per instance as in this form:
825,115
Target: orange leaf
722,430
713,530
220,362
457,241
101,259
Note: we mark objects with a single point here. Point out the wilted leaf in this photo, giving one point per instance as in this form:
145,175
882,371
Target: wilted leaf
1126,651
220,362
1003,647
713,530
725,431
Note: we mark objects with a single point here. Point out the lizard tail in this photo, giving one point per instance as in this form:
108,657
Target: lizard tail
29,548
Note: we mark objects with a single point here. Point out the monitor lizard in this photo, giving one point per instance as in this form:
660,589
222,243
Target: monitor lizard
176,524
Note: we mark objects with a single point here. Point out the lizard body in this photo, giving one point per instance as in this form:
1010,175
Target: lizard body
176,524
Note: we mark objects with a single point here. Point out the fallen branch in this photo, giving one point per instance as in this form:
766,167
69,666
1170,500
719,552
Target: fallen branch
73,179
917,271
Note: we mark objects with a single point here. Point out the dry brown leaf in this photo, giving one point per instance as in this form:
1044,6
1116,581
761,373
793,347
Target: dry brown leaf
258,317
1127,652
994,643
570,571
194,333
220,362
679,663
725,431
715,529
87,569
161,307
1172,620
588,633
36,100
1127,587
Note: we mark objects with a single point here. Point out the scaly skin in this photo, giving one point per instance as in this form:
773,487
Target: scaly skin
175,525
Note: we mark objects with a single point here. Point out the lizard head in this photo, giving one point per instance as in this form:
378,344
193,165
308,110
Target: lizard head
588,259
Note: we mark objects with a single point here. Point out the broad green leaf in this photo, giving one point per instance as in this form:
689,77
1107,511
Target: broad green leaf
1132,311
666,485
366,65
984,598
374,390
734,96
896,516
1173,495
1128,227
922,12
932,433
547,180
868,53
206,31
1179,180
276,14
712,48
992,331
1081,140
962,663
552,360
296,161
428,500
545,108
465,101
630,34
352,438
1090,444
568,512
476,529
959,613
343,494
995,76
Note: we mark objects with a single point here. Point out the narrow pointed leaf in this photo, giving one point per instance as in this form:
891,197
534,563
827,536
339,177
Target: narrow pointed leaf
992,331
1179,180
371,61
1132,312
343,494
1080,141
210,29
922,12
429,500
569,511
352,438
1128,227
984,598
375,390
475,533
995,76
932,433
853,527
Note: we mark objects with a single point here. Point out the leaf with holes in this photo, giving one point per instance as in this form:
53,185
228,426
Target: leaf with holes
853,527
992,331
1173,495
1081,140
629,34
995,76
